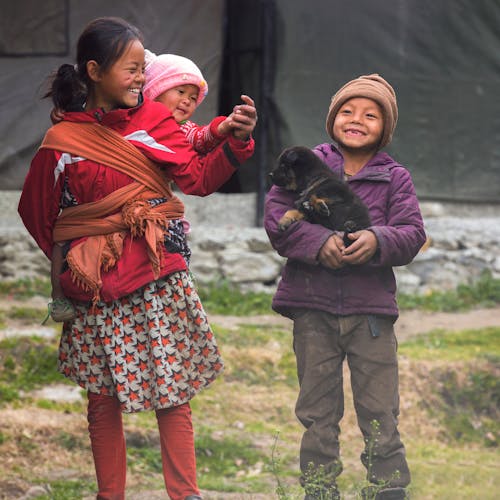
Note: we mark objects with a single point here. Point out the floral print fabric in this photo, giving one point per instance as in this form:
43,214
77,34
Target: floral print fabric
152,349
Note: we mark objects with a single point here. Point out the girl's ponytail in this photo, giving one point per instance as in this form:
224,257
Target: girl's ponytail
67,89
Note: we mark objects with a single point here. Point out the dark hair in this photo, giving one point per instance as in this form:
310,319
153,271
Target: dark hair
103,40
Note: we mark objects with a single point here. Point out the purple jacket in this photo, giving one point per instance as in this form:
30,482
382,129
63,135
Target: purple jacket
387,189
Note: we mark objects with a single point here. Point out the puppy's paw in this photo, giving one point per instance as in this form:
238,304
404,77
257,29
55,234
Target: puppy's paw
289,217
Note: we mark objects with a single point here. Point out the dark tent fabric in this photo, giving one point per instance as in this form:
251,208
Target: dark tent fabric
291,55
37,37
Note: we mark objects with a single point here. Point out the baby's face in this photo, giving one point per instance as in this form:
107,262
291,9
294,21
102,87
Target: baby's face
181,101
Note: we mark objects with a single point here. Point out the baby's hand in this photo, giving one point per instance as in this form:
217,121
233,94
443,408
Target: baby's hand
244,118
56,115
225,127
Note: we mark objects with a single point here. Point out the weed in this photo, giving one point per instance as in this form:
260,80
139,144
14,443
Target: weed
274,466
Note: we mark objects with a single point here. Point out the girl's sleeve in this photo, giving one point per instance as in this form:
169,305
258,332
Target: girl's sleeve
194,173
40,198
204,138
404,234
301,240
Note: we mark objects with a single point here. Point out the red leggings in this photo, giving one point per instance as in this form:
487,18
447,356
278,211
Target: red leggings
110,457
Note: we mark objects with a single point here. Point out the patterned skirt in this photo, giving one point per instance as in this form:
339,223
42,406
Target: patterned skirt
151,349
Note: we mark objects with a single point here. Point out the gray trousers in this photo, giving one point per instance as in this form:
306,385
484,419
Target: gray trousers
321,343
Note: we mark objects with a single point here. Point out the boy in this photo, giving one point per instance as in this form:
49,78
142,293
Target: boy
342,299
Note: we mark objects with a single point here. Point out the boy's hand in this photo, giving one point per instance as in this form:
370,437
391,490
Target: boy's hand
362,248
330,254
56,115
244,118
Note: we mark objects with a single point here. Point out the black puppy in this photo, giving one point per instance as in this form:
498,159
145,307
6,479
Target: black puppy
324,198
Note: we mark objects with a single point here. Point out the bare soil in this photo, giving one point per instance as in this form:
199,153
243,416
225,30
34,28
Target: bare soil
34,428
409,323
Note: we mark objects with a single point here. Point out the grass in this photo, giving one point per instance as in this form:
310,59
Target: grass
485,292
26,365
247,437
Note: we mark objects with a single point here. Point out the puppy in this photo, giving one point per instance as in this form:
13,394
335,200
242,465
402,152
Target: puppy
323,199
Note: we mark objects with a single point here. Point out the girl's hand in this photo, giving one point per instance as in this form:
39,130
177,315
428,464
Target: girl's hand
244,118
330,254
56,115
362,249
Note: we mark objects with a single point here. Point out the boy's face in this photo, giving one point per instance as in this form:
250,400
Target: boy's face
180,101
359,124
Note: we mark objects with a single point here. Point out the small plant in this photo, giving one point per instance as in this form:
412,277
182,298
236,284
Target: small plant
281,490
369,491
319,481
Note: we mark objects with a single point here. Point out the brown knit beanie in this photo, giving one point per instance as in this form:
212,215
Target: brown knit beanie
372,87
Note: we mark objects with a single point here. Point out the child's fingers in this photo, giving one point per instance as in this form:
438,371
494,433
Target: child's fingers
247,100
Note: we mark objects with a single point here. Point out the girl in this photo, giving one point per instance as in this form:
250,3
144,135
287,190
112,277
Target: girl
179,85
101,180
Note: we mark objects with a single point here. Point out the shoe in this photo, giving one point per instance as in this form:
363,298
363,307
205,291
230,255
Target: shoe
193,497
60,310
373,493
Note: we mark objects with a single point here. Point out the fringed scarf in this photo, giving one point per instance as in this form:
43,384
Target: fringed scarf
130,211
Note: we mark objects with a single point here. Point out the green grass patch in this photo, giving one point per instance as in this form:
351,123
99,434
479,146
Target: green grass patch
225,461
485,292
223,298
452,472
25,364
454,346
27,314
68,489
469,404
26,288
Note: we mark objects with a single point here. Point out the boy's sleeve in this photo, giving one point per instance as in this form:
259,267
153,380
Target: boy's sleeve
404,234
301,240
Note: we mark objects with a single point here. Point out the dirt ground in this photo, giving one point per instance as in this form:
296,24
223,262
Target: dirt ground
410,324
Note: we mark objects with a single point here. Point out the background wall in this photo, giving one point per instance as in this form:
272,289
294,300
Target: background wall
291,56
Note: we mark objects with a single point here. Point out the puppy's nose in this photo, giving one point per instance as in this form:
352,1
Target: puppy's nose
271,175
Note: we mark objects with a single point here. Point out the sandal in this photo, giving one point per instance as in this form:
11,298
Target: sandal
60,310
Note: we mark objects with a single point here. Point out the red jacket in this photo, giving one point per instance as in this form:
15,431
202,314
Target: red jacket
153,130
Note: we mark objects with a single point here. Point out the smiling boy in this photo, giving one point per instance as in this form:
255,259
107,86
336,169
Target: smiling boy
342,299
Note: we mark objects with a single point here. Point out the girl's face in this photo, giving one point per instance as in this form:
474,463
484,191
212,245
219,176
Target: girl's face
359,124
121,84
181,101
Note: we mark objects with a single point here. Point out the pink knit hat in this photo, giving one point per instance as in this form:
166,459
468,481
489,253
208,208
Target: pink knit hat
167,71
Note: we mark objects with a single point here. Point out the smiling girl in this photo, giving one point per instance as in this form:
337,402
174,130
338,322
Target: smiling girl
100,185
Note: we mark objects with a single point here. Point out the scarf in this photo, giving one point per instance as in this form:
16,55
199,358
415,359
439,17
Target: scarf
106,222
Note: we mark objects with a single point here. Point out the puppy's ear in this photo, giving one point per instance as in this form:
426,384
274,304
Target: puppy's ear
291,157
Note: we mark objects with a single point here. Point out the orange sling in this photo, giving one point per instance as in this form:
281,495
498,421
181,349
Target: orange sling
105,233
